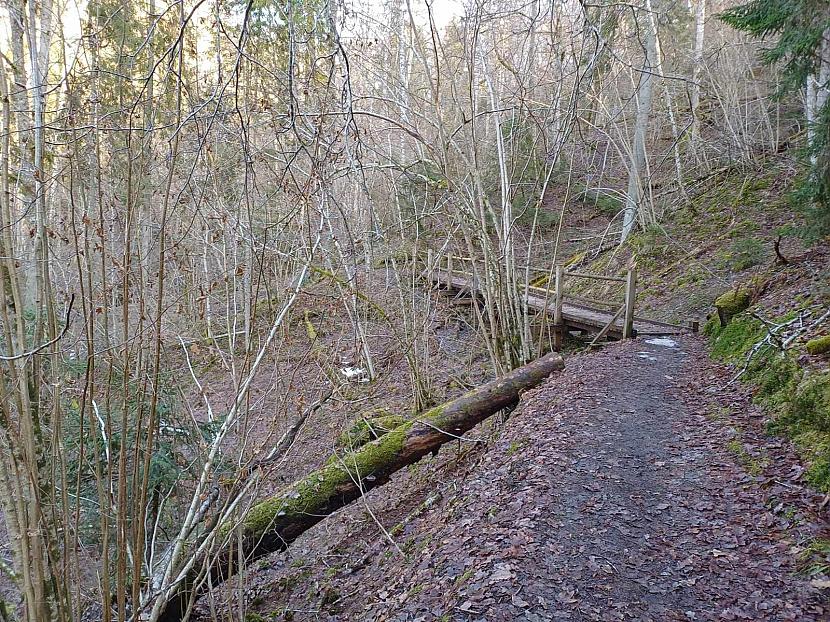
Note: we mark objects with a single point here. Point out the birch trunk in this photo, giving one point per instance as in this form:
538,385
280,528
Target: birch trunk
697,59
637,166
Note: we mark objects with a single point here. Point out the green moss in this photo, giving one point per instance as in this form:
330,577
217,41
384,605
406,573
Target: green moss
314,492
814,559
515,446
309,327
752,465
607,204
733,341
745,253
776,375
732,303
815,447
798,402
651,249
464,577
819,345
804,415
810,406
368,427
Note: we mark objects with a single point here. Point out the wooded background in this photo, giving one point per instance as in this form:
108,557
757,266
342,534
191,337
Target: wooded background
175,176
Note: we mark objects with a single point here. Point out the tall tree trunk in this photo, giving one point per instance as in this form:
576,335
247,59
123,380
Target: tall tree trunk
697,70
637,167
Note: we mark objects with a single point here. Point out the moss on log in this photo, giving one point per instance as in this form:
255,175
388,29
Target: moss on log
369,427
273,524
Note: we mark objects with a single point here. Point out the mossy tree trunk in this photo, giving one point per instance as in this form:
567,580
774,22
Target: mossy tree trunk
273,524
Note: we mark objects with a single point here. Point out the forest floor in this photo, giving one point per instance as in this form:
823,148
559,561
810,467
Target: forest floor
635,485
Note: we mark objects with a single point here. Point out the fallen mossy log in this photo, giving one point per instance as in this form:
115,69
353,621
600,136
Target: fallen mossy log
271,525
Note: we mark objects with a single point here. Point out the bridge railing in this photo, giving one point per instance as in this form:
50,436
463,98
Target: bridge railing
459,265
626,310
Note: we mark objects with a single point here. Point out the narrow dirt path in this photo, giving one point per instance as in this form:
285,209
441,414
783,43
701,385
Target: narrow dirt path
647,518
612,494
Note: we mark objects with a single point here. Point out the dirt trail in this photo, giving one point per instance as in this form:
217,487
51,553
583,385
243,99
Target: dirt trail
612,494
646,517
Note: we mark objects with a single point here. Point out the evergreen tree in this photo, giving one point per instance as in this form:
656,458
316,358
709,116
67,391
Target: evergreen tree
801,29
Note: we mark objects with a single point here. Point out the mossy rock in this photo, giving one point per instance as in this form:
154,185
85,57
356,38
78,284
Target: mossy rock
368,427
732,303
737,300
819,345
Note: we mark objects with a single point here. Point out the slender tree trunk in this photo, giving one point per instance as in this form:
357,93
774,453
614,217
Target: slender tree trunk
637,166
697,70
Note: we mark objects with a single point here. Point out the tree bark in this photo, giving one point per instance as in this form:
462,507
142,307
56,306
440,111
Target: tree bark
697,69
272,525
637,167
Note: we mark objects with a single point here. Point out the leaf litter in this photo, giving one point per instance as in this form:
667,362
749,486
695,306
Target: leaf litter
609,494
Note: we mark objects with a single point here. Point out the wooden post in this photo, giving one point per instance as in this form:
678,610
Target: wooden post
558,326
449,264
630,296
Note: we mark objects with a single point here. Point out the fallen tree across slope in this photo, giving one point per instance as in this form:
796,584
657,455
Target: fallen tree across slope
272,525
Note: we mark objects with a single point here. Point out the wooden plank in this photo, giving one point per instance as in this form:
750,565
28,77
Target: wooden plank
607,327
597,277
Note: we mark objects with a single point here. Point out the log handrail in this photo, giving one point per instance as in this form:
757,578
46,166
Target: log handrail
558,295
598,277
580,275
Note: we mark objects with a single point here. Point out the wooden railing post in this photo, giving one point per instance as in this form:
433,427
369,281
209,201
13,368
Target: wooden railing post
449,264
559,295
630,296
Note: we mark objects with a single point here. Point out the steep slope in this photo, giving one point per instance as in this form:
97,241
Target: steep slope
616,491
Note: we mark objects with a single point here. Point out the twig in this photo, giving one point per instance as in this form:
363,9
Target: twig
777,247
48,343
773,337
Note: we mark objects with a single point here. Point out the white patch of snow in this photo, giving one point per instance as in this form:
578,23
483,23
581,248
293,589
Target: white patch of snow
662,341
647,356
354,374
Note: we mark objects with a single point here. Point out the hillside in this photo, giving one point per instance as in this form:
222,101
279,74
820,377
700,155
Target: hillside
414,310
624,487
644,481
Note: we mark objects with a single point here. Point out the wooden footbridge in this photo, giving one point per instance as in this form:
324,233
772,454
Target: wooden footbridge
605,318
